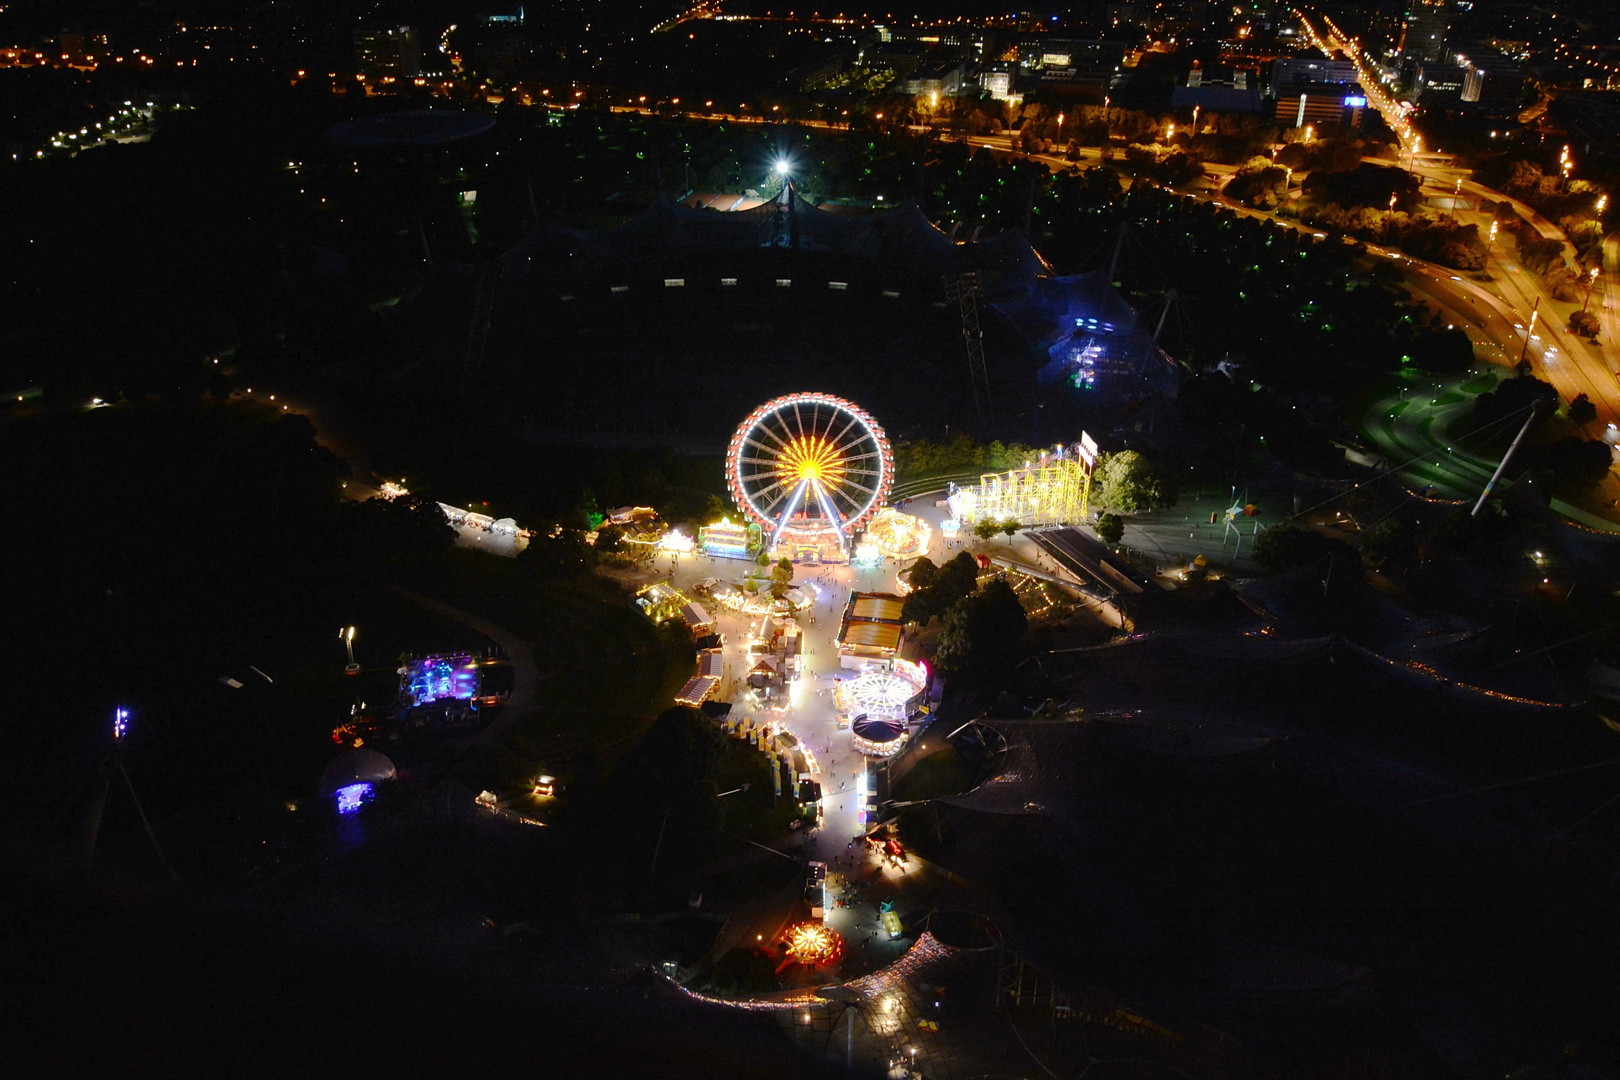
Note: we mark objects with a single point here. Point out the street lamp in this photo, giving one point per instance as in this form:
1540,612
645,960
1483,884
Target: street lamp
1528,330
346,635
1591,279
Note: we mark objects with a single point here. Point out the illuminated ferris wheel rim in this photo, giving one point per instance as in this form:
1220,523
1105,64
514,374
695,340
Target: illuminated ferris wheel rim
877,693
810,452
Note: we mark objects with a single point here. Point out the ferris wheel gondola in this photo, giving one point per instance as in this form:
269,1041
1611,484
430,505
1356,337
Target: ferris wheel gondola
809,468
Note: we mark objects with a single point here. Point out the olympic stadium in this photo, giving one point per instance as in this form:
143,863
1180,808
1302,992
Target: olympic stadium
677,321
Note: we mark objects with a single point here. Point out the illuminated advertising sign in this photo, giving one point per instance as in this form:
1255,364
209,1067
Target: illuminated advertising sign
1355,102
1088,450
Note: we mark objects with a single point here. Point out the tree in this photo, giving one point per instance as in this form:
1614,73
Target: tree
922,573
586,511
986,528
405,530
1129,483
1285,546
1585,324
1389,539
714,508
1260,183
1575,462
1110,528
558,551
1581,410
1511,399
946,585
1011,527
665,785
781,577
609,539
1364,185
979,635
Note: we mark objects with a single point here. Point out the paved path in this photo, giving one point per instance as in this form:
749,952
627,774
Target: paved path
525,671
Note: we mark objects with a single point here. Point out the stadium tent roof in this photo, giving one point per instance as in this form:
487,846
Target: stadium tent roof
902,236
1065,314
1051,306
360,766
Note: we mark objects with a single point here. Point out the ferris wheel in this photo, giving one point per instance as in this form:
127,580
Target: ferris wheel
809,467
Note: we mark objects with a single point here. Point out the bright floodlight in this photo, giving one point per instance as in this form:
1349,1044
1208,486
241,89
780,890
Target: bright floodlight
781,166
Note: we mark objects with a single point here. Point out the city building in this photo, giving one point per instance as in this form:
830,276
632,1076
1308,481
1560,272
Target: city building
1592,119
1080,67
816,73
1439,82
998,79
1427,23
936,80
392,51
1288,72
1490,80
1231,91
1322,106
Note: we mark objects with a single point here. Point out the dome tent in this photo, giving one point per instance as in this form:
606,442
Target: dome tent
352,767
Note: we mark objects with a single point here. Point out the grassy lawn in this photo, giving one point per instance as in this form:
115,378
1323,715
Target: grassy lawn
940,773
606,671
752,814
1479,384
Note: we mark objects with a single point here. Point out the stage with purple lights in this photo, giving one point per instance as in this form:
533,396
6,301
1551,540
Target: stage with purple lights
439,678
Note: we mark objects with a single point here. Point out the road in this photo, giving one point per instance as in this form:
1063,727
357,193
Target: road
1570,364
808,713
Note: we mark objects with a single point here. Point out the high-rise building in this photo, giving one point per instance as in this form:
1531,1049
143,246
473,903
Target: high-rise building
1440,82
1491,81
390,51
1427,23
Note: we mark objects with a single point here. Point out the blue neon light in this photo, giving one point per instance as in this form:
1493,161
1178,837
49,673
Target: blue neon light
1356,102
821,495
793,501
350,799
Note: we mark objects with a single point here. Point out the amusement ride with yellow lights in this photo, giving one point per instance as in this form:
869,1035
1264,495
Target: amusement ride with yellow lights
812,470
